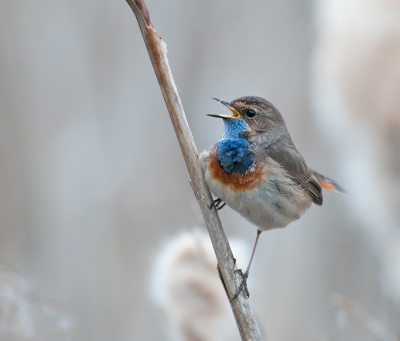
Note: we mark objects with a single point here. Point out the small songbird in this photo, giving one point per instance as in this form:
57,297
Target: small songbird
256,169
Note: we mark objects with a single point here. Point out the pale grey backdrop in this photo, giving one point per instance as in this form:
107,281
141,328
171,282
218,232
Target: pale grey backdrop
92,180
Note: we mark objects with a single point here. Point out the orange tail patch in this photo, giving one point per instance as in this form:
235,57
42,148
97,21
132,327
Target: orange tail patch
329,184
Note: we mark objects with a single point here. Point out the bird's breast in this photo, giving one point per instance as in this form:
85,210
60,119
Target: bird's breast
236,181
265,194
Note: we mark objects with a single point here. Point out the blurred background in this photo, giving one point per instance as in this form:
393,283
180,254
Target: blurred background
93,184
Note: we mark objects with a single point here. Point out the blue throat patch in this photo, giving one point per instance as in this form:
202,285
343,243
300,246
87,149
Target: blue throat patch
233,153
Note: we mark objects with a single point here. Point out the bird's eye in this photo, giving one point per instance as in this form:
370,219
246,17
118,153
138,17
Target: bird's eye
250,113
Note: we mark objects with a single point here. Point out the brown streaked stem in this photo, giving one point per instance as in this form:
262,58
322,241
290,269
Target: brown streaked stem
158,55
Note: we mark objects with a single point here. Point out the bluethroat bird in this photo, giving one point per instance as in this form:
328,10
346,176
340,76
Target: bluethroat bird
256,169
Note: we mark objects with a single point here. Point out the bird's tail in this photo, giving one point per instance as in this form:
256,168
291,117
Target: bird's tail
328,183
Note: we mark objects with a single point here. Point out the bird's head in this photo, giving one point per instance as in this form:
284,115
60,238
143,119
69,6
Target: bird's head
252,114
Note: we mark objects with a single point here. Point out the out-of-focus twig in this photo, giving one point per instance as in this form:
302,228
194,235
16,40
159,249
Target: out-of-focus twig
373,325
158,55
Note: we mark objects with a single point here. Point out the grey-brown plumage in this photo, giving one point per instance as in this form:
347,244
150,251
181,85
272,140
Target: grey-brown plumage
256,169
270,138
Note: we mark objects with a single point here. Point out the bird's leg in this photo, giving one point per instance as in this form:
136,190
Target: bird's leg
220,205
217,204
246,274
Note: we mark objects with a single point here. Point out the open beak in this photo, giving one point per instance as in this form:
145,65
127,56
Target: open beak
235,114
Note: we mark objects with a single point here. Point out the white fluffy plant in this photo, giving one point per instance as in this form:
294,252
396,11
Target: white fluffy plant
186,286
25,315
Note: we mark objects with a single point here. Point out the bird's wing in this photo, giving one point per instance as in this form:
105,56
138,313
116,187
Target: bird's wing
290,159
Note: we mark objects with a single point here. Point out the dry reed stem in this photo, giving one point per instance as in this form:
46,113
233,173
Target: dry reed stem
158,55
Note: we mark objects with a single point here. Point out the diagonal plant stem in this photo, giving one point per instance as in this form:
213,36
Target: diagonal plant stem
372,324
226,263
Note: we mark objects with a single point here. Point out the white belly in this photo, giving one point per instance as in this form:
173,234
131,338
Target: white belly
264,206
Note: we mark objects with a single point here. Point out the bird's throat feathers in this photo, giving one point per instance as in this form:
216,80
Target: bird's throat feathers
234,128
233,152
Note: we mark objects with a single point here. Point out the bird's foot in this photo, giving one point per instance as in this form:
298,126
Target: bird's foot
217,203
243,284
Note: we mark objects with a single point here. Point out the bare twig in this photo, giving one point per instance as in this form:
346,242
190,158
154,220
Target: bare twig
158,55
373,325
